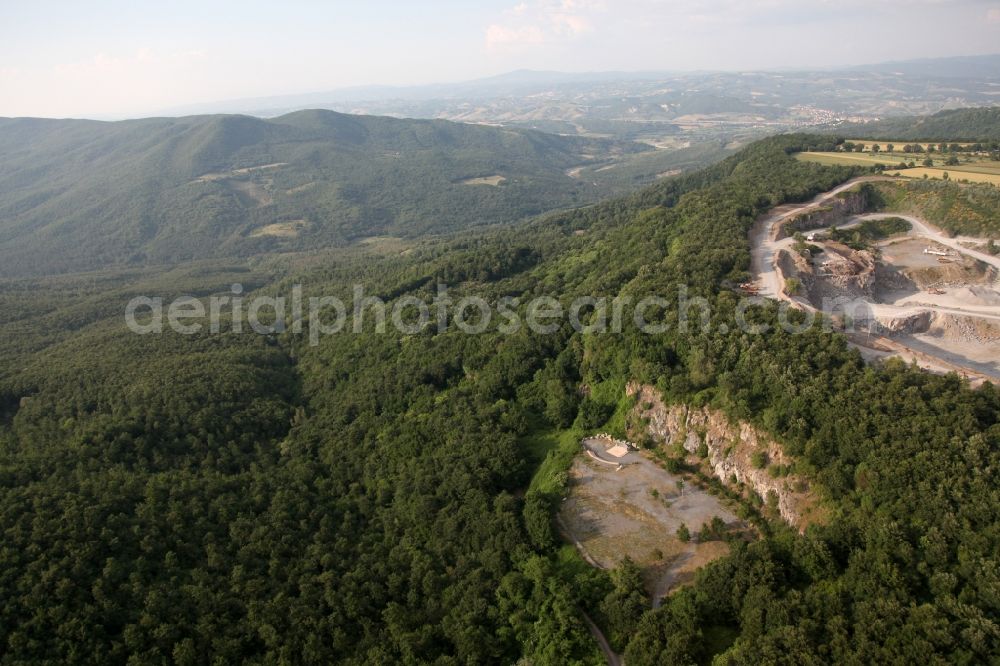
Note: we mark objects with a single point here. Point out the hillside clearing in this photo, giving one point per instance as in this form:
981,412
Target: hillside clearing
493,181
635,511
289,229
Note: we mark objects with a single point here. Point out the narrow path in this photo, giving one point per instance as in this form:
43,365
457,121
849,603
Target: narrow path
665,586
576,542
927,361
614,659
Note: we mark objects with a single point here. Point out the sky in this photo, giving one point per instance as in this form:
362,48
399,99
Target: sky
129,58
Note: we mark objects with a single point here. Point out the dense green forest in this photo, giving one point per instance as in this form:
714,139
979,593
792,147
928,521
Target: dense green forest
978,124
383,498
80,195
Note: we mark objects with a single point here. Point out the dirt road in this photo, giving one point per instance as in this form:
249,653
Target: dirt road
764,245
613,658
942,304
764,248
921,228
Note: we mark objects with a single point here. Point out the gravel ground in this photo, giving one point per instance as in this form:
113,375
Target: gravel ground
612,513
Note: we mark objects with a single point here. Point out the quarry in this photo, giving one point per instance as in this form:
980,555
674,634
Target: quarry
893,283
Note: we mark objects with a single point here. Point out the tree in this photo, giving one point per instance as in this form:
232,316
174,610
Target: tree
715,530
560,402
683,533
594,414
538,520
928,162
625,604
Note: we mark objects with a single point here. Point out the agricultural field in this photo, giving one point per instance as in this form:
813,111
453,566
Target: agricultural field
884,145
953,174
976,170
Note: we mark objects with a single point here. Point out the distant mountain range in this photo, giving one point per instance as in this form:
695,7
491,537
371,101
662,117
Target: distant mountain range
959,67
511,83
970,79
79,194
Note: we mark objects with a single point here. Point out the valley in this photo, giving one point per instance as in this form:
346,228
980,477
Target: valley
167,191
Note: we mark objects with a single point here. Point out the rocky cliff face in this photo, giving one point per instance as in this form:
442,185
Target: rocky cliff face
843,273
852,202
850,271
918,322
731,451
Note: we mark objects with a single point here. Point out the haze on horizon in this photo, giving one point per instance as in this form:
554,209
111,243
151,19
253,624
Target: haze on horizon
116,58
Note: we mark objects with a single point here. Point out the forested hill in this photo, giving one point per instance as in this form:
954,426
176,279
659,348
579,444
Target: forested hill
982,124
382,498
78,195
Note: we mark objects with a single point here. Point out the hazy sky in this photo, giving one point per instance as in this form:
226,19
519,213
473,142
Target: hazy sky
132,57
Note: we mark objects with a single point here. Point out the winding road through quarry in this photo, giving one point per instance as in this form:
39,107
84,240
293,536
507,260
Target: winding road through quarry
767,242
764,243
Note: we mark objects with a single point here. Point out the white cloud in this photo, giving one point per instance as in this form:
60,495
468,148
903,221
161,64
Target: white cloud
535,22
122,82
500,35
543,21
102,63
